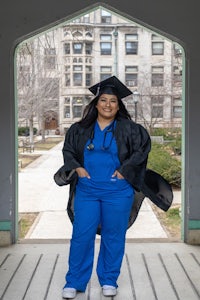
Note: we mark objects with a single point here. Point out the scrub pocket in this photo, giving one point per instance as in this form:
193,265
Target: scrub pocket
122,185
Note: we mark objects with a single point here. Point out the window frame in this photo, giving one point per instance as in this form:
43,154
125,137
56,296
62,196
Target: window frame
78,50
157,50
106,50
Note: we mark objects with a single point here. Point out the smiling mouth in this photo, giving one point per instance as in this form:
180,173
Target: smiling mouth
107,110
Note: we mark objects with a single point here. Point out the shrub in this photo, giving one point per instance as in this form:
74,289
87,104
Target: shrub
176,147
24,131
167,133
163,163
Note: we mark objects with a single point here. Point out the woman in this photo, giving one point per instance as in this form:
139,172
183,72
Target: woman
109,153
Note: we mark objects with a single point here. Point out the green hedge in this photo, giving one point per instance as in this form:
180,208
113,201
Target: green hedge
24,131
166,165
167,133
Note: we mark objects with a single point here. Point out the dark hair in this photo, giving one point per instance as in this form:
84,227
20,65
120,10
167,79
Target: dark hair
90,113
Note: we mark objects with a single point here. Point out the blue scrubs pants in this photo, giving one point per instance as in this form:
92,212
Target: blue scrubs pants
111,209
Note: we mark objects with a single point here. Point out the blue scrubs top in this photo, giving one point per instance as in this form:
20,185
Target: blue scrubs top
103,161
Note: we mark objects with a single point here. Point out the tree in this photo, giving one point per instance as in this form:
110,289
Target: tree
37,81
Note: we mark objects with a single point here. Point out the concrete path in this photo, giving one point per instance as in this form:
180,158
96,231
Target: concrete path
39,193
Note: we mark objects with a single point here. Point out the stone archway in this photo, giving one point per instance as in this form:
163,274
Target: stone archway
50,117
153,15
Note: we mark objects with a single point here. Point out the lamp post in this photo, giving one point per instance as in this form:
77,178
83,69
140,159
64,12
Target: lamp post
115,34
136,96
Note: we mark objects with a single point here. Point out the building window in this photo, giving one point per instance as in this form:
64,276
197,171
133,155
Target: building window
131,79
157,106
88,75
77,79
106,48
86,18
106,44
131,44
105,17
67,112
77,111
105,37
157,45
157,80
67,79
77,75
105,72
177,107
131,37
157,48
131,48
131,75
88,69
88,48
66,48
49,58
77,68
67,75
77,48
177,111
157,76
77,107
67,100
88,79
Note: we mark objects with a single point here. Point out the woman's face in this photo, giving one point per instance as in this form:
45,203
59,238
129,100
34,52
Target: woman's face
107,106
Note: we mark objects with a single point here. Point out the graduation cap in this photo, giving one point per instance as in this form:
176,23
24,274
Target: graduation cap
111,86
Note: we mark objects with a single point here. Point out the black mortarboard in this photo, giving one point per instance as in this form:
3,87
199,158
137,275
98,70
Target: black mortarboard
111,85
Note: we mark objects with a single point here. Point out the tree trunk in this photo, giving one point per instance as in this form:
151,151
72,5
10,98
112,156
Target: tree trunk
31,130
43,128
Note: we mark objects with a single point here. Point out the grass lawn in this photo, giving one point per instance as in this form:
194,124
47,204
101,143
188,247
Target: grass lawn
25,222
28,157
170,220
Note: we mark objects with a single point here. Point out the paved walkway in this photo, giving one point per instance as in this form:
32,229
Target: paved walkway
39,193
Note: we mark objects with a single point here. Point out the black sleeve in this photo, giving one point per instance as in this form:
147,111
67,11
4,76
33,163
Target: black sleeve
141,145
134,166
69,150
